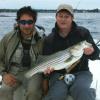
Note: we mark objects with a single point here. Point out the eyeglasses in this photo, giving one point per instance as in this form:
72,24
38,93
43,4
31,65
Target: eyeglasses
24,22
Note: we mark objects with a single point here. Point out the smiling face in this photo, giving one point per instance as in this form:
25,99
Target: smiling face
26,24
64,20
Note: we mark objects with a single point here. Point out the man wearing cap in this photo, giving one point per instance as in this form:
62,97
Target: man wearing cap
65,34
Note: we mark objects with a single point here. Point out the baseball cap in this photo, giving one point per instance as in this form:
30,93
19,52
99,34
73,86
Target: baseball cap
65,7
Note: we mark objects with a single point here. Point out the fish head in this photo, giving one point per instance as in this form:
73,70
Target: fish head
86,44
76,50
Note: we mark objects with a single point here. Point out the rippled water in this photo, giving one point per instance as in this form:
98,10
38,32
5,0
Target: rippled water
47,20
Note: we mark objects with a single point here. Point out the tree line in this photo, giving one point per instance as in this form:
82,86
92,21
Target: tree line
51,11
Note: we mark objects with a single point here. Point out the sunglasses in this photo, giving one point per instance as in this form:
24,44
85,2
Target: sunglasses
24,22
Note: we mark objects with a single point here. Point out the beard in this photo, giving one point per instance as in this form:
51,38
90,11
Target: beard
27,32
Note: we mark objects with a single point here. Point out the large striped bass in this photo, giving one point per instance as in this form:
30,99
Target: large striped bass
60,60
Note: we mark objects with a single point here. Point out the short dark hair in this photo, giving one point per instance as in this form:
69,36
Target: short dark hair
27,10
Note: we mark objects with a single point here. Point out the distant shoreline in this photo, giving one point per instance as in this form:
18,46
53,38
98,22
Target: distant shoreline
52,11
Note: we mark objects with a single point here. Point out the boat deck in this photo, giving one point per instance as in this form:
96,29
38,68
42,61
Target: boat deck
95,69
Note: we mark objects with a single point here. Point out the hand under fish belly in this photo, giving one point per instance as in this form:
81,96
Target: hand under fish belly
60,60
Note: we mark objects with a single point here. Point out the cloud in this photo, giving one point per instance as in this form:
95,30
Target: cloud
49,4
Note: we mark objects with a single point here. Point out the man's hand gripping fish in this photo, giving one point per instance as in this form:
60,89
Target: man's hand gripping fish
60,60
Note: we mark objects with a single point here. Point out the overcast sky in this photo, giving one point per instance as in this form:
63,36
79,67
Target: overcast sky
49,4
